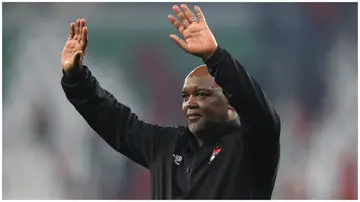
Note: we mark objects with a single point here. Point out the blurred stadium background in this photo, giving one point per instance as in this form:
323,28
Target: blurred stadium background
303,54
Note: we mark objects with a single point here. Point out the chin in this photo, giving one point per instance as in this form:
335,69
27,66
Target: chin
196,127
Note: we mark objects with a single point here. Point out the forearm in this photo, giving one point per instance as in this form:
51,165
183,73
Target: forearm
114,121
243,92
98,107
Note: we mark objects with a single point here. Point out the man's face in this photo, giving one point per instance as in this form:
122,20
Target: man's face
203,102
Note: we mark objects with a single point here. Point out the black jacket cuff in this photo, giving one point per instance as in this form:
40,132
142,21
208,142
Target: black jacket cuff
215,59
76,76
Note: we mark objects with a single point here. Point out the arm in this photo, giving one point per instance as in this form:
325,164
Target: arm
243,92
256,115
113,121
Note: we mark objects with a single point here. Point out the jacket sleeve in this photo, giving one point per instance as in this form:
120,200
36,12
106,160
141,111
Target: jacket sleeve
242,91
113,121
254,108
247,97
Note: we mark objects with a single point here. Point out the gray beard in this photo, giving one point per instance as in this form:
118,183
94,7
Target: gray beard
202,128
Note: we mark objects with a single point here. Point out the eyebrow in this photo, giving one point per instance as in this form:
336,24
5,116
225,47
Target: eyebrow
201,89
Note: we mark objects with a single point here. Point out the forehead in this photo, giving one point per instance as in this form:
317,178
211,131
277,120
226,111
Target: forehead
195,82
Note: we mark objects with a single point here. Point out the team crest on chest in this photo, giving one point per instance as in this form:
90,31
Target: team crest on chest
215,152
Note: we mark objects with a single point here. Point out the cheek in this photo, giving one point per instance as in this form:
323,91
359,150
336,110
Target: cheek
183,108
214,109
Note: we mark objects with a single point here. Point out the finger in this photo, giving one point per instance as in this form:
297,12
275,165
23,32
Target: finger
81,26
185,22
84,37
176,24
78,56
72,30
199,13
84,21
188,14
181,43
77,30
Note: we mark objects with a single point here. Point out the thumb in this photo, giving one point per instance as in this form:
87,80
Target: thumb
78,58
181,43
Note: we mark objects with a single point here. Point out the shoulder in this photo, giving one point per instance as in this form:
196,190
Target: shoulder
171,133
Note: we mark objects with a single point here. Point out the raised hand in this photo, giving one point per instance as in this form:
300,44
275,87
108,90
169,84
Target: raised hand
198,38
74,49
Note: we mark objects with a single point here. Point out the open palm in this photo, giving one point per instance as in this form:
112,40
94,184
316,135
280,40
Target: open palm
74,49
198,38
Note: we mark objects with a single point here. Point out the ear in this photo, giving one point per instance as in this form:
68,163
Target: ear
232,114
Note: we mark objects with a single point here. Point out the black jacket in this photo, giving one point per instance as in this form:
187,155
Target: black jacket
246,163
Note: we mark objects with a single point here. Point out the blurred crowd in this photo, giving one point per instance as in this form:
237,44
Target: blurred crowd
304,55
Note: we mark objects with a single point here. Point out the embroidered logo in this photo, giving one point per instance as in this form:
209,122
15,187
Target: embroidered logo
215,152
177,159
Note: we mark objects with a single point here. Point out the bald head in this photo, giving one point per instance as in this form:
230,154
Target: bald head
201,70
202,73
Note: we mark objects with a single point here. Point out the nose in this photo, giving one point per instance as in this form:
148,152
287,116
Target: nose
191,103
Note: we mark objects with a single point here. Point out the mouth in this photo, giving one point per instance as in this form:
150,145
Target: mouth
193,116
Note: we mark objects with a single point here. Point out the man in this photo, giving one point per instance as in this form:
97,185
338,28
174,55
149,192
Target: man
215,157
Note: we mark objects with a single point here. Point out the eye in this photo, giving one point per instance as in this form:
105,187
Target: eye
185,97
202,94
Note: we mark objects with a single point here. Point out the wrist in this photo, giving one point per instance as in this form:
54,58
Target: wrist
76,74
74,71
214,61
208,55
